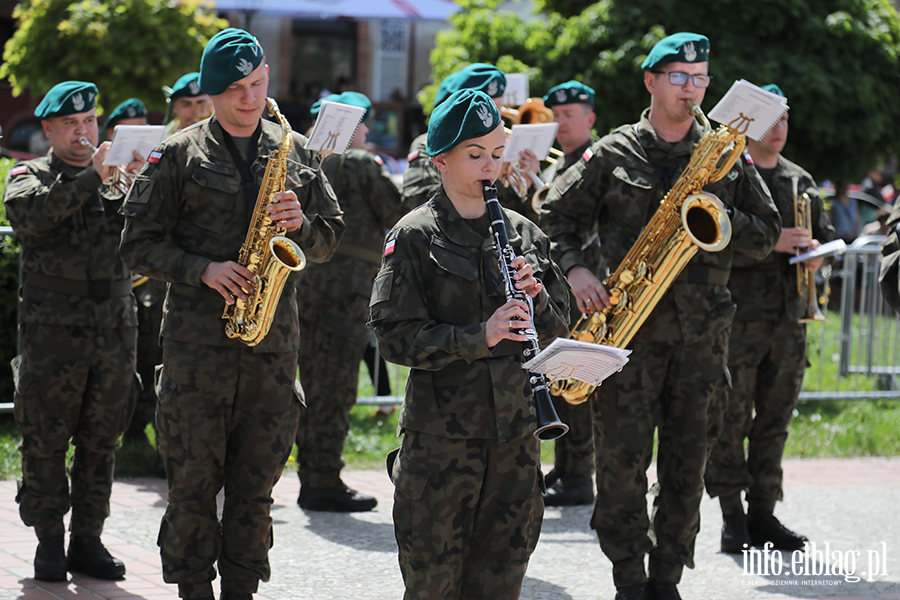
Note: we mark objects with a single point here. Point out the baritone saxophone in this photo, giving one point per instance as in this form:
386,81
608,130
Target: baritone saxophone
266,252
687,219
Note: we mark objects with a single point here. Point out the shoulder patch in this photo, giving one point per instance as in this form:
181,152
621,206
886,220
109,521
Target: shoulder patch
389,248
748,158
18,170
412,156
567,179
154,156
378,160
587,154
140,191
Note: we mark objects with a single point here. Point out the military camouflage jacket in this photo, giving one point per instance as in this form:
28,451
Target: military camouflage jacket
422,180
616,187
439,283
371,204
68,231
187,209
767,289
889,277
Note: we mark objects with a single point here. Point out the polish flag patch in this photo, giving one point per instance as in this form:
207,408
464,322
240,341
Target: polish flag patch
748,158
154,157
18,170
412,156
389,248
587,154
378,160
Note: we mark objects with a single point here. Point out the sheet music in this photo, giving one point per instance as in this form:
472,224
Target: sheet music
572,359
335,126
537,137
129,138
747,100
832,248
516,89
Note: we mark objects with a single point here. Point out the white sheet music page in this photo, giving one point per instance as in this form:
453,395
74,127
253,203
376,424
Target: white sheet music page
130,138
516,89
747,101
334,127
537,137
572,359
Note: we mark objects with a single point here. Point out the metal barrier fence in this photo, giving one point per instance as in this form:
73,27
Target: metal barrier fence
855,354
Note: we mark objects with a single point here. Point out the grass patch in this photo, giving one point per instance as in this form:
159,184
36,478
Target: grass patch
845,428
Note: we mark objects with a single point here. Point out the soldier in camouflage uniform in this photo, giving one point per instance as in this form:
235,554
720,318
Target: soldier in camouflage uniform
890,265
677,374
334,308
570,482
227,413
467,504
78,321
422,180
767,357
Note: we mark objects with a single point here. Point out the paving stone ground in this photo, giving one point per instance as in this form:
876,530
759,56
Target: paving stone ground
848,507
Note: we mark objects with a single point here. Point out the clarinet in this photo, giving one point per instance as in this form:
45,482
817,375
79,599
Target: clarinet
549,426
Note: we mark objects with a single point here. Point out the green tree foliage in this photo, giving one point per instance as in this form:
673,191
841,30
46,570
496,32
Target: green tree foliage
838,61
128,48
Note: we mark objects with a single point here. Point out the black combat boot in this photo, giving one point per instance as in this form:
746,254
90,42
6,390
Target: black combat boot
88,555
236,596
662,590
734,533
764,527
338,498
632,592
50,559
570,490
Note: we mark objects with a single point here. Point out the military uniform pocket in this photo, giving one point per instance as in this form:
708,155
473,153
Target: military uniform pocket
635,177
413,524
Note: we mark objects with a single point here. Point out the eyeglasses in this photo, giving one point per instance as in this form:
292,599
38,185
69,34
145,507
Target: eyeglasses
679,78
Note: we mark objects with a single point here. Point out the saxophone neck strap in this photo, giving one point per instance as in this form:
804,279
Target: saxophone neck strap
243,166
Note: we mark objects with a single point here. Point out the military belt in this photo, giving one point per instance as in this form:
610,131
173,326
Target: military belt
75,287
704,275
365,254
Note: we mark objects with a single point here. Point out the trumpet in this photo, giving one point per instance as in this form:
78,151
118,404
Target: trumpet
806,279
119,180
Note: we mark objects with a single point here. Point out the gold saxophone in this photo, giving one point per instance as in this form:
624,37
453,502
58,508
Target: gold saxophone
266,253
687,219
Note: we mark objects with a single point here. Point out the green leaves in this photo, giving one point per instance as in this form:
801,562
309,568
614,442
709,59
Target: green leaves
129,48
837,60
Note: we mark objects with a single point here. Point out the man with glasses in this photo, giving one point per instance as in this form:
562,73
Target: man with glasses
676,379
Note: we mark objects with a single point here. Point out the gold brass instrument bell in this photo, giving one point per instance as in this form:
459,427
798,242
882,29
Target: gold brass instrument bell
119,179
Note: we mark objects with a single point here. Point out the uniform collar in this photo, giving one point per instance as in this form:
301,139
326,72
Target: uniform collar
457,229
650,140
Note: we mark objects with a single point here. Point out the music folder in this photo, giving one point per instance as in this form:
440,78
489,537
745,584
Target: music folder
335,127
832,248
537,137
133,138
746,101
573,359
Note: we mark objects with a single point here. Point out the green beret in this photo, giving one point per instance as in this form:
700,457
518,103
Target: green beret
774,89
349,98
570,92
466,114
478,76
680,47
67,98
130,109
229,56
187,86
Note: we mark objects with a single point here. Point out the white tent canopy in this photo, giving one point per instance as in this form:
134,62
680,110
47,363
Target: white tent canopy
435,10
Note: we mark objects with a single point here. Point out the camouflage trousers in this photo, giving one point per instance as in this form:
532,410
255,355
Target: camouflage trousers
574,452
679,390
74,383
767,360
329,371
226,418
149,354
467,515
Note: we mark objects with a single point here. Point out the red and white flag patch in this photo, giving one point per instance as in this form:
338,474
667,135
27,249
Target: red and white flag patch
379,160
18,170
389,248
154,157
748,158
412,156
587,154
